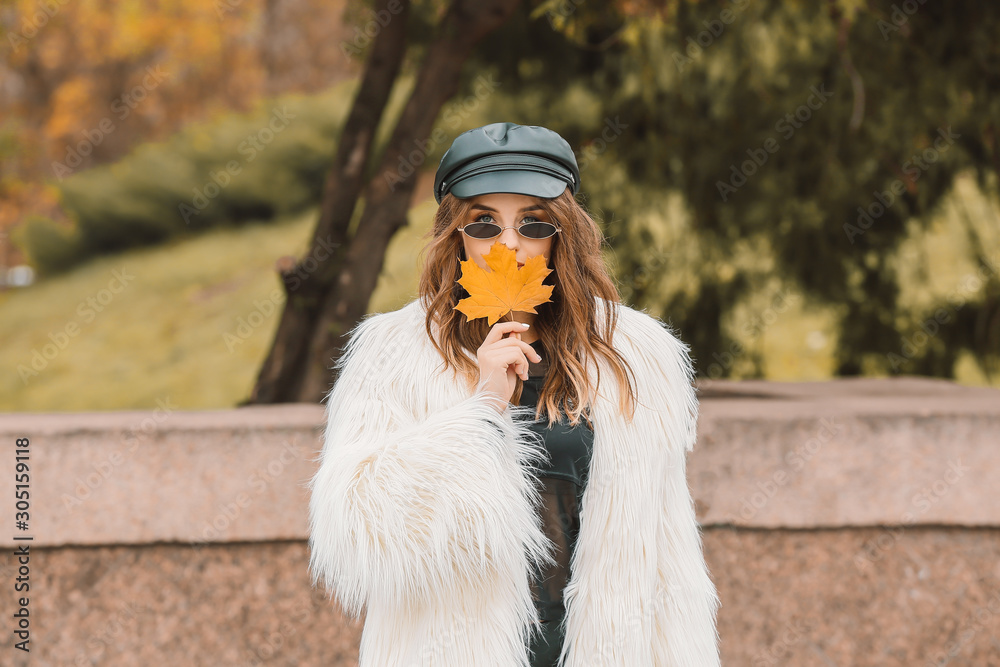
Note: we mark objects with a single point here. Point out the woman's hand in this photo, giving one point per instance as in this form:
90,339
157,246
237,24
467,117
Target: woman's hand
501,359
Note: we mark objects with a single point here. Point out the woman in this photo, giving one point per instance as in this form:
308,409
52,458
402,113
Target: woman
514,495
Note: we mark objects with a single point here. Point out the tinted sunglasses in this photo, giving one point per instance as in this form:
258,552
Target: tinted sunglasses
529,230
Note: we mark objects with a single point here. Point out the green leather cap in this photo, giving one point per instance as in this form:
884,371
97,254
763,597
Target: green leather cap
505,157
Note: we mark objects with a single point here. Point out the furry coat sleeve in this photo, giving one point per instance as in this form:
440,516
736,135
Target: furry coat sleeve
411,507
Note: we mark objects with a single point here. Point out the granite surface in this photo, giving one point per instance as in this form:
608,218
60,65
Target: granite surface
789,597
845,523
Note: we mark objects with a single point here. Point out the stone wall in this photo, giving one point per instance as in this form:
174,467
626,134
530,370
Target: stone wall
847,523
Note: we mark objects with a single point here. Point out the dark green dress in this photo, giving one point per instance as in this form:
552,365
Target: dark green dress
563,480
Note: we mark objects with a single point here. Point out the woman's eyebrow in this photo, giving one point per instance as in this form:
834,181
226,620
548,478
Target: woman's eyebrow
493,210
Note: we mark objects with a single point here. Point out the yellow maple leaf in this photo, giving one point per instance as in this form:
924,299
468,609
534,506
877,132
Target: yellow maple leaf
505,287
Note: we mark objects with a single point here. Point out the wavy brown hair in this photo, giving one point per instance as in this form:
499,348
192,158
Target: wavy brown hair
567,325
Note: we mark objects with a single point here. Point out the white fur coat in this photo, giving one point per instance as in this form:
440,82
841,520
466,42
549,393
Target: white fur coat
423,511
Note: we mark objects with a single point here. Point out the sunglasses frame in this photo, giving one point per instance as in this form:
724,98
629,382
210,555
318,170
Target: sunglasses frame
503,229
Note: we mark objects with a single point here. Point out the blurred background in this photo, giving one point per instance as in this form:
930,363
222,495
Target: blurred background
199,199
805,190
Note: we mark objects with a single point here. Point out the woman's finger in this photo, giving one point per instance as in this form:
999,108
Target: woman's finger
501,328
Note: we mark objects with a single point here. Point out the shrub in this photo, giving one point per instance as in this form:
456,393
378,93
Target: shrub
260,165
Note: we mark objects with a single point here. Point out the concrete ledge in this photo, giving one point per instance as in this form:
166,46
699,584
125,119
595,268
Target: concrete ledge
845,523
853,452
168,476
770,455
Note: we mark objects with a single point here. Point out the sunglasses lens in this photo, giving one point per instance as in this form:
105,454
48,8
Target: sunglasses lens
537,230
482,230
529,230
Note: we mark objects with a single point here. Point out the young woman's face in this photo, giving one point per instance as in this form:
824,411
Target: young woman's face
510,211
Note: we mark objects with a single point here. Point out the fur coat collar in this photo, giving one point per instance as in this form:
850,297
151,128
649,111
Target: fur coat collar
423,512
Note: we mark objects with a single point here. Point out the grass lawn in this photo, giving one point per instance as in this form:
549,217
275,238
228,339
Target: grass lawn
188,322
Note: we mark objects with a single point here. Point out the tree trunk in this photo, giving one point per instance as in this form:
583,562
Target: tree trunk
387,198
279,379
301,359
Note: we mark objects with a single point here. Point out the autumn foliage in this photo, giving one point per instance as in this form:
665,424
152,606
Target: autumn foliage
85,83
505,287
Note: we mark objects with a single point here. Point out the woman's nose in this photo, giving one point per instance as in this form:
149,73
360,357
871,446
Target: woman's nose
510,238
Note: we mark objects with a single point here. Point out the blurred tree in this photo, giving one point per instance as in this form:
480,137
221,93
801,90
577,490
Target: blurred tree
334,296
733,147
82,83
262,165
800,138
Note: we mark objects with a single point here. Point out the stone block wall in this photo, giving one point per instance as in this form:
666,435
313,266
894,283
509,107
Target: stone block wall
850,523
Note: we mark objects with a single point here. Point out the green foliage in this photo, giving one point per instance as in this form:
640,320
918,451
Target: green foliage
50,244
226,171
773,122
202,307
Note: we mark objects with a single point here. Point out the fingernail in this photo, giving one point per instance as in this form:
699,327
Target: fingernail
525,325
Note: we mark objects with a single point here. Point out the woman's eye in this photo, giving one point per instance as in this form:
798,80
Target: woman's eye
486,217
